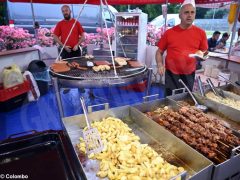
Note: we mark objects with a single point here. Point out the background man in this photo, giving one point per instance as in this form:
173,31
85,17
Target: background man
62,30
180,41
223,41
212,42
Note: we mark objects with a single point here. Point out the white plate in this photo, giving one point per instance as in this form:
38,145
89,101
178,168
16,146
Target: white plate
198,57
223,51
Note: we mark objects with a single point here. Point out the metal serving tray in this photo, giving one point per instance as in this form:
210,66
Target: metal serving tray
172,149
231,167
233,122
231,88
223,110
43,155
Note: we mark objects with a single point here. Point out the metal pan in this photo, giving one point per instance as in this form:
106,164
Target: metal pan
231,88
223,109
172,149
44,155
229,121
229,168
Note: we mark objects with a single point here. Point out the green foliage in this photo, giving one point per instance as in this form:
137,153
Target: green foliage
200,12
1,14
219,13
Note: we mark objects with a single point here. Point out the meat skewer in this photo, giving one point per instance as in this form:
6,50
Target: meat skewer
205,134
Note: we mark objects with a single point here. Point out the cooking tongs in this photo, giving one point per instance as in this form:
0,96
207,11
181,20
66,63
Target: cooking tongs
200,86
197,105
217,92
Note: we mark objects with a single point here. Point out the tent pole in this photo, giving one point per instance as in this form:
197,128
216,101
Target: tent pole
214,11
165,23
33,16
233,34
101,23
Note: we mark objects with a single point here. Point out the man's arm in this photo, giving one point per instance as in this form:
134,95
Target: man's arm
57,40
159,60
81,39
220,45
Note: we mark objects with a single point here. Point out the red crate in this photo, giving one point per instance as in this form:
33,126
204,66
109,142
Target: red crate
138,87
6,94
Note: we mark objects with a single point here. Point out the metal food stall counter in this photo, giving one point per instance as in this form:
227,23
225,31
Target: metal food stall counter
162,141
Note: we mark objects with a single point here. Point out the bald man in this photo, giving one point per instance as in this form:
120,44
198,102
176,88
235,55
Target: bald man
179,42
62,30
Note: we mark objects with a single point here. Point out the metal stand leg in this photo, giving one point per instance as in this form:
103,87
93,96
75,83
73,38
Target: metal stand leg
91,94
149,81
58,96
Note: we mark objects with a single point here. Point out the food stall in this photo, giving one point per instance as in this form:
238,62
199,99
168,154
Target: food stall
160,139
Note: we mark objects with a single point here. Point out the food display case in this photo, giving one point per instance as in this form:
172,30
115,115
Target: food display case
130,35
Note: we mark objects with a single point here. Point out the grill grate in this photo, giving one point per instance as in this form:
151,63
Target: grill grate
101,74
89,74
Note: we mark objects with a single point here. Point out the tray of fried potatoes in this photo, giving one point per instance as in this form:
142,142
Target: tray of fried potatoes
124,156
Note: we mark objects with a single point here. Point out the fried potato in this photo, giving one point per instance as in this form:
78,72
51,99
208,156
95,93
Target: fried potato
124,157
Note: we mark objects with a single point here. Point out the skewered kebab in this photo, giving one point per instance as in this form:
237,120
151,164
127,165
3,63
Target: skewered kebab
216,128
198,130
195,141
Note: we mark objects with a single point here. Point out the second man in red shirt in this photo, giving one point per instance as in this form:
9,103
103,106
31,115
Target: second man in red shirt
62,30
179,42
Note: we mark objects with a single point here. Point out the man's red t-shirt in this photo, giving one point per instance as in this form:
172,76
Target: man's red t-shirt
179,43
63,28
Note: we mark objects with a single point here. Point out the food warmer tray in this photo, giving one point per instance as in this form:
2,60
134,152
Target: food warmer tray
222,109
231,88
229,168
43,155
172,149
231,122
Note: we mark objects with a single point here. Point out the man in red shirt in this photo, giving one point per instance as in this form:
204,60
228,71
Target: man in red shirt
61,31
179,42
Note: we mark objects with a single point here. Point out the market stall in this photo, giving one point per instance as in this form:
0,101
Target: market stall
163,139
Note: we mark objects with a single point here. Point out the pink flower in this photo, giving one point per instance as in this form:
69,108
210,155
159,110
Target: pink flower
98,30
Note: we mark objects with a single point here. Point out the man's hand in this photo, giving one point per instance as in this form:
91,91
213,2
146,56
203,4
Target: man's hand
161,70
75,48
68,48
159,60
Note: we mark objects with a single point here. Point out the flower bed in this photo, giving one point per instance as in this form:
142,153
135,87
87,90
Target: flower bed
16,38
44,37
154,34
99,37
